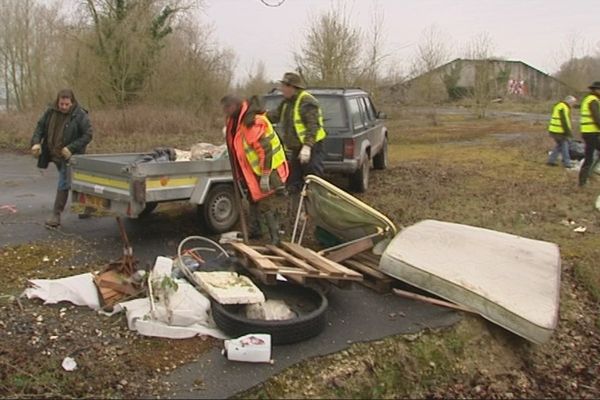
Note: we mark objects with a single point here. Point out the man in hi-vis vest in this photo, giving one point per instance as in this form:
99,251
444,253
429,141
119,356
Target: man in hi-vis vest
259,160
590,129
300,124
560,129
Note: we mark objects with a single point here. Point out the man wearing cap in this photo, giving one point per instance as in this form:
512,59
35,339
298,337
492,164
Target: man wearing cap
300,124
590,129
561,131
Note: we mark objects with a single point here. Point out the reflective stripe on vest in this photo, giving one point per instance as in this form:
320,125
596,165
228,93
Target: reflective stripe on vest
272,146
555,125
587,124
299,125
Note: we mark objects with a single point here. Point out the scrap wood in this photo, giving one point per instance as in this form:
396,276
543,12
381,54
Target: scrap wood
350,250
293,260
430,300
373,278
321,262
261,260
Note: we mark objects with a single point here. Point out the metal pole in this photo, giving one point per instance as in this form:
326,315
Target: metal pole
236,190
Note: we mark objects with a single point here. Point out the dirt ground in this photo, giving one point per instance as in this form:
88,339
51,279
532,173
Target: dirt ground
488,173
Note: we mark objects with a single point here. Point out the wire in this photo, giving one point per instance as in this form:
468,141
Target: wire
280,2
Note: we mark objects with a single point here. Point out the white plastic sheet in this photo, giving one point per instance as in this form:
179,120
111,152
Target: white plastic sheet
78,289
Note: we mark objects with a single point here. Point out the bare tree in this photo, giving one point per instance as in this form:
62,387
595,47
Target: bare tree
127,38
29,51
432,51
578,67
480,50
332,49
375,54
256,81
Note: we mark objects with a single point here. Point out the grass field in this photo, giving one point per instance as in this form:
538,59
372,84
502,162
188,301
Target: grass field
489,173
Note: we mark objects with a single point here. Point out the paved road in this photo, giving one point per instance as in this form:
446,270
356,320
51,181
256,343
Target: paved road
354,315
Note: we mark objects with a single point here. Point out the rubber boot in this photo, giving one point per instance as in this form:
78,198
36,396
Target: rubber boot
254,230
59,206
273,225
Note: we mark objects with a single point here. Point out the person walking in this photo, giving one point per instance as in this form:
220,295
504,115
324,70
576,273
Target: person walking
561,130
260,160
590,129
300,123
63,130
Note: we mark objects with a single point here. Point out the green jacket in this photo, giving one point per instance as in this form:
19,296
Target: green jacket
77,133
309,112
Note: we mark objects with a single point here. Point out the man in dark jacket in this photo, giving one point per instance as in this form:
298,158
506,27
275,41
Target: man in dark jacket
63,130
300,124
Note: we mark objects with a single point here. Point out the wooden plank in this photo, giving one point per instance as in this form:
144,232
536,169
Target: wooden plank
333,264
368,259
350,250
276,258
365,269
312,258
290,258
430,300
258,259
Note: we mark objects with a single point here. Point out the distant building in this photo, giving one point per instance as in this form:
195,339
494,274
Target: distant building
460,78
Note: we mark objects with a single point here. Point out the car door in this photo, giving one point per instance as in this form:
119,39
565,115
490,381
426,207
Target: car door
374,132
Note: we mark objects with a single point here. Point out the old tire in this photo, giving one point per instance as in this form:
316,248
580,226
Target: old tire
309,304
380,161
150,206
219,213
359,181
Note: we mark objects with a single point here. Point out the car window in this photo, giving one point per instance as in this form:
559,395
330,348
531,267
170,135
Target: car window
356,114
369,108
332,107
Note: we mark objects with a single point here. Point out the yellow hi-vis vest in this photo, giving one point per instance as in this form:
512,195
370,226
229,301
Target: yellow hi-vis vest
299,125
587,124
277,152
555,125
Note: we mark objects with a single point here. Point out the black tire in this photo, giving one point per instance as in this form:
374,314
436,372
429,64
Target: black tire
151,206
219,213
380,161
309,304
359,181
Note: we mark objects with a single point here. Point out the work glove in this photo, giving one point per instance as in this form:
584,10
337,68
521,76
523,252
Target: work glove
304,155
66,153
264,184
36,150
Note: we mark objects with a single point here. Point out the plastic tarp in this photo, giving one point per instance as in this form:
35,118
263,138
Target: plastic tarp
509,280
342,214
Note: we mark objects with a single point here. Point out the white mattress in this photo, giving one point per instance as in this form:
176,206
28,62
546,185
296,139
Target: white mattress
511,281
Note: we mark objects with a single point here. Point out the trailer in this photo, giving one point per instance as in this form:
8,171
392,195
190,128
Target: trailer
122,185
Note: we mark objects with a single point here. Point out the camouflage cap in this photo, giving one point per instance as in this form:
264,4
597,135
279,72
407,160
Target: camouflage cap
293,79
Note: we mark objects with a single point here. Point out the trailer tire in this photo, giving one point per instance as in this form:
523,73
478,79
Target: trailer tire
219,213
231,318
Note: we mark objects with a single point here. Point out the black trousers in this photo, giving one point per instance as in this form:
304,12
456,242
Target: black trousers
298,171
592,143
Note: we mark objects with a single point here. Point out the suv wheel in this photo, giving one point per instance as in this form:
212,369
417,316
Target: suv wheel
380,161
359,181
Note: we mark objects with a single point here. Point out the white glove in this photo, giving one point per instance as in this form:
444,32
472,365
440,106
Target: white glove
66,153
304,155
36,150
264,184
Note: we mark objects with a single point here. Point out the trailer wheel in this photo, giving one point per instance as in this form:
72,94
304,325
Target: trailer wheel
219,213
308,304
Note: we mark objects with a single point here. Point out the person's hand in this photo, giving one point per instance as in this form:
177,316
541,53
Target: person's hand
66,153
36,150
264,184
304,155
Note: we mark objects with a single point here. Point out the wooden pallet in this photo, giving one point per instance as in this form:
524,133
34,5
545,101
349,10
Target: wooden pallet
368,265
294,262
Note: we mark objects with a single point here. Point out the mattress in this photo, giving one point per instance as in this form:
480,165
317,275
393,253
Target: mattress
510,280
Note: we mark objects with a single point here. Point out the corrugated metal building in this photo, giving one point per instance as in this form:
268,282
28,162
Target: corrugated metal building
503,79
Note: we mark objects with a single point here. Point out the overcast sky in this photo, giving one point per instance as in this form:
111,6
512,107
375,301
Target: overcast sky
534,31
